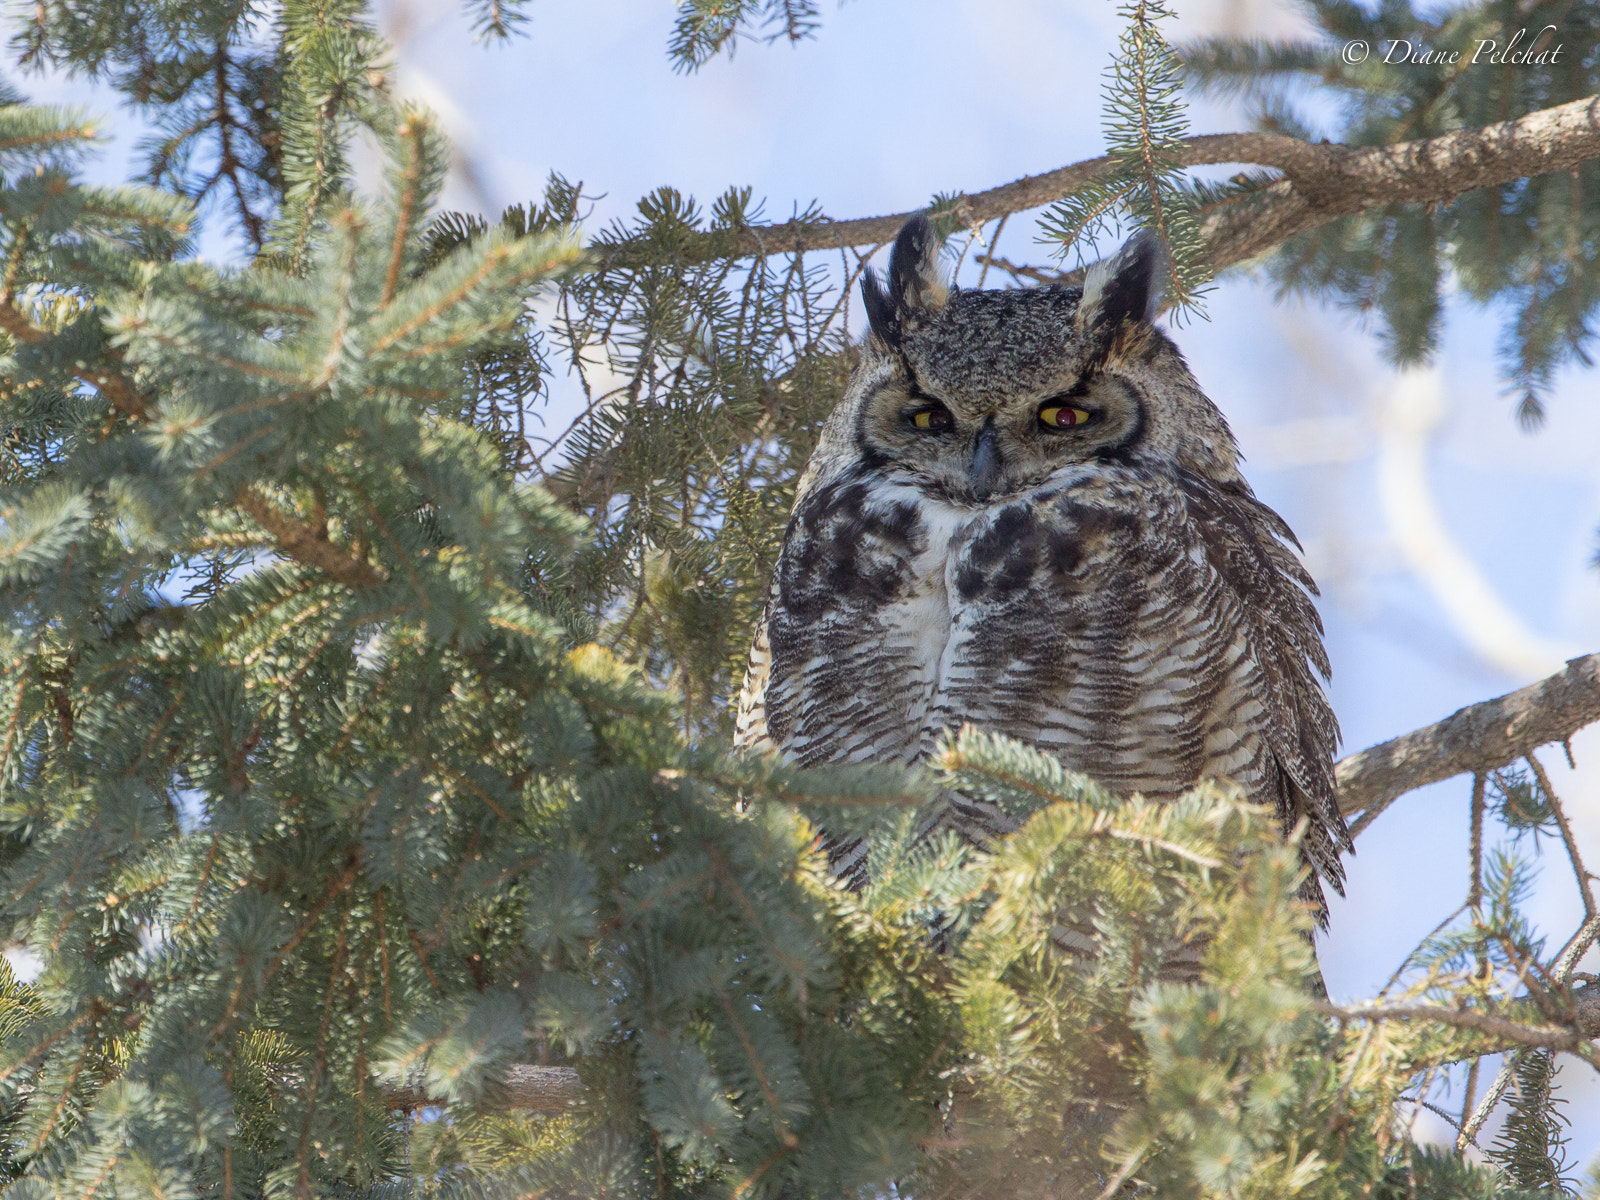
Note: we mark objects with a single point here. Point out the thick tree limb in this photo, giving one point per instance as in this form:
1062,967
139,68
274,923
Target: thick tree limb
1324,182
1321,183
1481,737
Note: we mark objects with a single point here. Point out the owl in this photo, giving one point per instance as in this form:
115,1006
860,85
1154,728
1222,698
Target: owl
1025,515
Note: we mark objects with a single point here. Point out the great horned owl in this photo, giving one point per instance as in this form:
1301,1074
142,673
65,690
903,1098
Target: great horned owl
1025,514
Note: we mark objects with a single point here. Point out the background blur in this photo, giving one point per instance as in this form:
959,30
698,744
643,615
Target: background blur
1455,550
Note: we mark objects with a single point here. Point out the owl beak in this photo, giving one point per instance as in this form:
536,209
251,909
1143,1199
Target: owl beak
984,473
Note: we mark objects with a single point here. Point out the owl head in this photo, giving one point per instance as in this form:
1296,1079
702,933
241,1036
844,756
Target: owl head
978,395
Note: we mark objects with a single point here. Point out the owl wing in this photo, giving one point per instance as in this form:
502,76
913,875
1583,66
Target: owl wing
1149,632
1248,545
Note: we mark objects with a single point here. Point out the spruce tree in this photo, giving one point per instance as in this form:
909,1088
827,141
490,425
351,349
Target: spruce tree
359,760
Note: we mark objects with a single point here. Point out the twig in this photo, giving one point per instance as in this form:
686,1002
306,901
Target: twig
1475,886
994,244
1582,872
1017,271
1410,958
1460,1122
1567,960
1128,1167
1453,1122
1469,1129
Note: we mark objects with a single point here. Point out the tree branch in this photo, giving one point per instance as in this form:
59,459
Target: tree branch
1321,183
1574,1041
306,545
1324,182
533,1089
1480,737
115,388
556,1089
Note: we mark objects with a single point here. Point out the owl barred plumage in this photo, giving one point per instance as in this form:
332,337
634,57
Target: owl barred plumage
1025,514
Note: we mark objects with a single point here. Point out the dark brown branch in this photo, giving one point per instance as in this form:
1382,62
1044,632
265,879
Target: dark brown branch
301,542
1481,737
114,387
1321,182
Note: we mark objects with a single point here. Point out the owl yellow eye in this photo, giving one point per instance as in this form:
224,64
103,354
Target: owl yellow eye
934,420
1059,416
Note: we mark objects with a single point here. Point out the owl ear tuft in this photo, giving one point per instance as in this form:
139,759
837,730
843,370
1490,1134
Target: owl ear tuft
916,286
1125,287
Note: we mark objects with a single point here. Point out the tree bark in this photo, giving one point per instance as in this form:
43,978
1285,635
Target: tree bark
1481,737
1322,181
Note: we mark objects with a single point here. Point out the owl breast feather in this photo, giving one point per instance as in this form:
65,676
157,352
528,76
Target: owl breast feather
1073,617
1149,629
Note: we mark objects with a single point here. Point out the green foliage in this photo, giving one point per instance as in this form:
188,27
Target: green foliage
1527,246
356,813
705,28
1083,1071
1520,802
202,72
497,20
1145,122
1531,1147
707,381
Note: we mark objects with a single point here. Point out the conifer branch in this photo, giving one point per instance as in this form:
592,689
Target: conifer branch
412,131
306,545
1321,183
1481,737
1585,880
115,388
1574,1041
